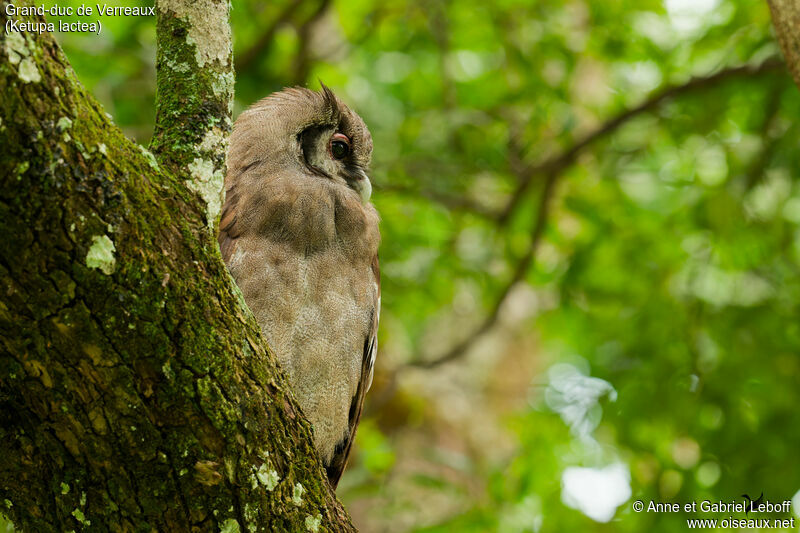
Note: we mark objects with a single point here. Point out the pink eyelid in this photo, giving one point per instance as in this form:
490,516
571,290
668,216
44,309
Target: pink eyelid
340,137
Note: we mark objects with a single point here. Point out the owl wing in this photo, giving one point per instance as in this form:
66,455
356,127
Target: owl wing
228,229
342,452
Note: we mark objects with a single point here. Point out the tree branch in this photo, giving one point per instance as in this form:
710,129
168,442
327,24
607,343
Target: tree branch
525,262
452,202
786,18
194,94
441,34
553,167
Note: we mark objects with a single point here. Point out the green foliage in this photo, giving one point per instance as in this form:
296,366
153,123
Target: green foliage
376,452
668,267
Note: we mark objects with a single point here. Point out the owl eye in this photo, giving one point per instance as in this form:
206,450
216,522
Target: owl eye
340,146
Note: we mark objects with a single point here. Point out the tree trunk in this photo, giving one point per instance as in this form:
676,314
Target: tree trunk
136,393
786,18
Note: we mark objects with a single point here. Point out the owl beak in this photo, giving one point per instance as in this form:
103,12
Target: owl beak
361,184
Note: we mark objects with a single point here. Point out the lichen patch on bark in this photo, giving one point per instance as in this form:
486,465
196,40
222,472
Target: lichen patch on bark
64,123
208,31
28,71
16,48
230,526
207,182
19,53
223,87
267,477
151,159
214,140
101,254
297,494
313,522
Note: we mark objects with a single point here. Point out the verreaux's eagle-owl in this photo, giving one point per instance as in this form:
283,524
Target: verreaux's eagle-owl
301,240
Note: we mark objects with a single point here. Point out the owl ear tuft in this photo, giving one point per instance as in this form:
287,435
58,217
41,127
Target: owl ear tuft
331,103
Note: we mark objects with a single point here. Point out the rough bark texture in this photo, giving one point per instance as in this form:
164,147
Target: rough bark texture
136,393
786,18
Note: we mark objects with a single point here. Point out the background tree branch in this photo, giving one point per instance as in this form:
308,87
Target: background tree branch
136,392
563,159
303,59
552,168
260,47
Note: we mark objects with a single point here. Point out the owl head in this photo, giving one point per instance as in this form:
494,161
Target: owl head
310,132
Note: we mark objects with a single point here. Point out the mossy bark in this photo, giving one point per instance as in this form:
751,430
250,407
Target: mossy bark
136,393
786,19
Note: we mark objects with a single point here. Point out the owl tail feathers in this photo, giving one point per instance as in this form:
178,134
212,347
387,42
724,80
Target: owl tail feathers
338,461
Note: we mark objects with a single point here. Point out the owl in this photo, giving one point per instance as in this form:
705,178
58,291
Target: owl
300,238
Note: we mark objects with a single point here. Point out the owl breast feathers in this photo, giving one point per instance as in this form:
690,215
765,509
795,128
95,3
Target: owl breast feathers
301,240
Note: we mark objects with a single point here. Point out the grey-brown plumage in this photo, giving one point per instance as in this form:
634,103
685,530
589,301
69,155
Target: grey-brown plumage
301,239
